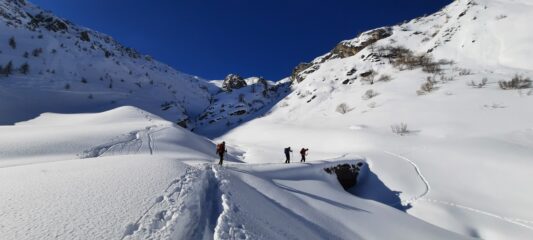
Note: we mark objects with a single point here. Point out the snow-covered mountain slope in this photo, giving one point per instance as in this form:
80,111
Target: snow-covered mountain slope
448,153
236,100
147,178
56,66
433,104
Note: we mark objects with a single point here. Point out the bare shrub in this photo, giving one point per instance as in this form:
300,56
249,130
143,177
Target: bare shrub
24,68
446,62
370,94
400,129
343,108
284,104
464,71
428,86
405,59
12,42
431,67
518,82
500,17
384,78
445,79
481,84
36,52
7,70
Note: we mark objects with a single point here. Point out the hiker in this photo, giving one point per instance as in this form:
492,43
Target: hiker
303,152
221,149
288,155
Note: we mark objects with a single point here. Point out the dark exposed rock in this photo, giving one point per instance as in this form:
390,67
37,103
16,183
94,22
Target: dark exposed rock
233,81
351,72
347,49
239,112
49,22
295,76
183,123
342,50
84,36
346,173
367,73
311,99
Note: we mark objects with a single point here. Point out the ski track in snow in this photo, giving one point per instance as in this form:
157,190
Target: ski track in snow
125,143
423,197
193,206
428,187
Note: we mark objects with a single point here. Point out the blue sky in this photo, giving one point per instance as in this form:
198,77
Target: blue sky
211,38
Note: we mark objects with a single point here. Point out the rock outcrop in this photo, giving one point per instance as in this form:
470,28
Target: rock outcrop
344,49
233,81
347,174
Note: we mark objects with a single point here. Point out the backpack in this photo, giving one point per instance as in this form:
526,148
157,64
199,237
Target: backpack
220,148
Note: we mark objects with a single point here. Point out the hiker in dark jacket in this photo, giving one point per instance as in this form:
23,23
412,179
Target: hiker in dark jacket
221,149
288,155
303,152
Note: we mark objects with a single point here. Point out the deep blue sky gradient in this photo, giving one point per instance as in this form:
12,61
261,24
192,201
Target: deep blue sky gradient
211,38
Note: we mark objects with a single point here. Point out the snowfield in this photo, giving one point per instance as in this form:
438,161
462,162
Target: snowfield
102,142
153,180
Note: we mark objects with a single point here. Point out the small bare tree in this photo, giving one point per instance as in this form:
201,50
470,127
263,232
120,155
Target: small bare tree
12,42
428,86
24,68
370,94
400,129
343,108
384,78
518,82
481,84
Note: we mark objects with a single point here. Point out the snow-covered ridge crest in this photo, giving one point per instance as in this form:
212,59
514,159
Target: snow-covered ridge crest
488,32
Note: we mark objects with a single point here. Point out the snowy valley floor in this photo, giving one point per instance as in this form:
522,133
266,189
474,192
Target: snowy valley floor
127,174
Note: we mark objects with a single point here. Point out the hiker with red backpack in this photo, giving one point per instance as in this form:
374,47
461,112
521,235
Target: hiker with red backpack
303,152
221,150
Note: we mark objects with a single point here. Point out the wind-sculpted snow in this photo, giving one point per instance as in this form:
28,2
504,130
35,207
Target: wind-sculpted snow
171,190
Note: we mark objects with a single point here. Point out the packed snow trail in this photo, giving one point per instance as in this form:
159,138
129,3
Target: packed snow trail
187,209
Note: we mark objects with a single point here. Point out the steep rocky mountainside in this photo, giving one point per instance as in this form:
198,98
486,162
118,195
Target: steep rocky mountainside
474,44
52,65
236,100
